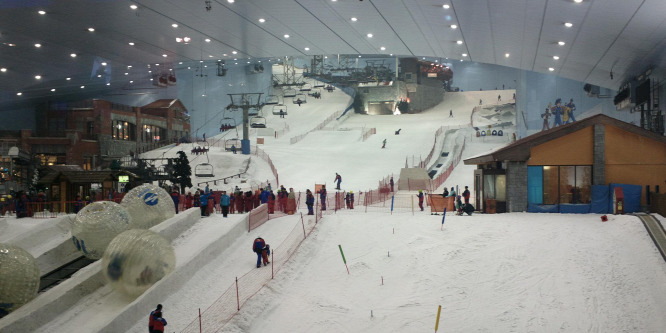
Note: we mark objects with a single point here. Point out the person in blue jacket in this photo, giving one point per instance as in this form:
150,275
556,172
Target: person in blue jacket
337,179
420,196
322,197
175,196
225,202
204,203
263,197
262,250
309,201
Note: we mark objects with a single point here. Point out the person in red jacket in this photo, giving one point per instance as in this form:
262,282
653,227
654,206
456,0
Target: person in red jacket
188,200
151,320
420,195
158,322
262,250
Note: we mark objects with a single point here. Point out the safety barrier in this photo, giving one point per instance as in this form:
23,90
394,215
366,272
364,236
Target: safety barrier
282,132
262,154
367,133
218,314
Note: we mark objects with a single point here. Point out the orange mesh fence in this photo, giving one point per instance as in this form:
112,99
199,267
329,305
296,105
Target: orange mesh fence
257,217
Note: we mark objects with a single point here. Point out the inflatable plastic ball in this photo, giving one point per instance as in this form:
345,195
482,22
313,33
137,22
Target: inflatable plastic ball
136,259
19,278
149,205
96,225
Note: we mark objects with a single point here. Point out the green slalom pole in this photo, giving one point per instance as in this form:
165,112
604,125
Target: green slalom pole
343,258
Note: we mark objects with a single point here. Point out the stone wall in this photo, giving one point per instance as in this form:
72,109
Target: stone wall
599,155
516,187
429,93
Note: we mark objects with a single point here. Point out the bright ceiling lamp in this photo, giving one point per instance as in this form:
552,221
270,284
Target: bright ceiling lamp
134,6
446,6
561,43
41,12
507,55
459,42
261,20
91,29
556,57
551,69
38,77
453,26
568,24
3,69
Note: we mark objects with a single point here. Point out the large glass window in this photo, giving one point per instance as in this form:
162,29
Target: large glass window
567,184
550,185
151,133
123,130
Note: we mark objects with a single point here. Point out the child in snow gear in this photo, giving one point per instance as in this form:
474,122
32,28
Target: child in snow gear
262,250
337,179
322,197
309,201
420,195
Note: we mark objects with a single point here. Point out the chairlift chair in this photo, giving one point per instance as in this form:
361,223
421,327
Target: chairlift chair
272,100
318,84
253,111
277,108
232,142
306,87
314,92
289,93
301,96
204,170
258,122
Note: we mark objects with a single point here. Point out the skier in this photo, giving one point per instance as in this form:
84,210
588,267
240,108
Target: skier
466,194
499,98
262,250
420,196
450,113
322,197
384,144
225,202
309,201
337,179
175,196
347,198
351,199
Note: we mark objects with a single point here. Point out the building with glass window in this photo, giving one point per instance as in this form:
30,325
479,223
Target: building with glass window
557,170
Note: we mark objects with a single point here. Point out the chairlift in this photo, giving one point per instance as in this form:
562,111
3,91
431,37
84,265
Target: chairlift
253,111
314,93
306,87
299,97
318,84
277,108
258,122
229,143
272,99
204,170
289,93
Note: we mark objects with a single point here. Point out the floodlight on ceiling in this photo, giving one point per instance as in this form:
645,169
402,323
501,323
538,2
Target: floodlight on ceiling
383,48
459,42
578,1
3,69
561,43
354,19
41,12
261,20
231,1
73,55
286,36
207,40
446,6
91,29
556,58
234,52
175,25
19,93
568,24
52,90
38,45
551,69
369,35
38,77
131,43
453,26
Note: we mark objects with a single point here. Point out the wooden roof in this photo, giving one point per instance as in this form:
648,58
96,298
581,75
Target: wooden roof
163,103
520,150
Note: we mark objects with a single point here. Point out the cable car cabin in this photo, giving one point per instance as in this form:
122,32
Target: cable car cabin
258,122
272,100
306,87
204,170
231,144
289,93
277,108
299,99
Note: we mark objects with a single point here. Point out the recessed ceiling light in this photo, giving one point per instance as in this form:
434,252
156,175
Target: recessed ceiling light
91,29
150,71
83,87
230,1
164,55
459,42
151,79
108,84
568,24
248,62
131,81
69,78
134,6
19,93
578,1
129,66
453,26
53,89
178,39
186,39
286,36
235,63
551,69
73,55
307,49
131,43
11,44
38,77
180,63
41,12
103,64
261,20
446,6
234,52
126,73
210,56
507,55
354,19
556,57
561,43
99,75
207,40
359,55
38,45
175,25
391,54
464,54
3,69
382,48
369,35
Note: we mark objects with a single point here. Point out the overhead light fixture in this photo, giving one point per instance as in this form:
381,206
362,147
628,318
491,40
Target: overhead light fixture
354,19
568,24
231,1
210,56
180,63
38,77
446,6
52,90
551,69
38,45
382,48
561,43
164,55
556,57
286,36
69,78
507,55
464,54
129,66
459,42
41,12
83,87
207,40
369,35
73,55
175,25
103,64
91,29
99,75
453,26
261,20
108,84
3,69
234,52
131,43
186,39
19,93
391,54
178,39
134,6
307,49
126,73
359,55
131,81
577,1
11,44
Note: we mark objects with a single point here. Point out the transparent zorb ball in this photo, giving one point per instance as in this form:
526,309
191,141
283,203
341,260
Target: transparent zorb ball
136,259
149,205
96,225
19,278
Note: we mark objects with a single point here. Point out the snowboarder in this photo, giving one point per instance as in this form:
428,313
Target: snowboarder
309,201
499,98
322,197
262,250
337,179
450,113
420,196
384,144
398,131
466,194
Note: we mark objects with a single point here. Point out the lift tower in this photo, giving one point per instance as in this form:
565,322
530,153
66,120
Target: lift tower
245,102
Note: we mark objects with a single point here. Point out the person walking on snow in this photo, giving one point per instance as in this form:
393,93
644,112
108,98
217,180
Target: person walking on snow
420,196
262,250
225,202
158,322
384,144
151,319
453,192
466,194
450,113
322,197
309,201
337,179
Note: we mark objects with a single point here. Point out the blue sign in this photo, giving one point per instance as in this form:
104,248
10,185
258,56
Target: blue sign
151,199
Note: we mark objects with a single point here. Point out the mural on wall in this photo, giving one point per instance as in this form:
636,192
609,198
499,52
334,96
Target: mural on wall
562,114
